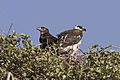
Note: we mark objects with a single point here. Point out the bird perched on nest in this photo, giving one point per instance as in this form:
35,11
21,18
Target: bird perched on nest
71,39
46,39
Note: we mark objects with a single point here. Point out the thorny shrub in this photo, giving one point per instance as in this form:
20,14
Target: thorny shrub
21,60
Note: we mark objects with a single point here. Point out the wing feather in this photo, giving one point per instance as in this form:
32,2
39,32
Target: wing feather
70,37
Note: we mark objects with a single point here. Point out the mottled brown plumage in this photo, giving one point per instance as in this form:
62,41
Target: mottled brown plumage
71,39
46,39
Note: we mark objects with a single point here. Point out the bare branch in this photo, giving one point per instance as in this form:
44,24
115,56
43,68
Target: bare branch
10,76
10,29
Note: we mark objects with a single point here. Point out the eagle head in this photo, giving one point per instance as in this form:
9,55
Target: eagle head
80,28
43,30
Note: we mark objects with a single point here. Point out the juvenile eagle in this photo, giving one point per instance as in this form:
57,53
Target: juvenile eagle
46,39
71,39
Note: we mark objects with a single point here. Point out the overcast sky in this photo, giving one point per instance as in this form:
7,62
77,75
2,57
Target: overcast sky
101,18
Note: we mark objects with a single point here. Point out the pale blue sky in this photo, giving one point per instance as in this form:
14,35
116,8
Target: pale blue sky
101,18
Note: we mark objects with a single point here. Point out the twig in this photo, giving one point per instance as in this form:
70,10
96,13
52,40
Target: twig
81,51
10,76
9,29
104,48
108,47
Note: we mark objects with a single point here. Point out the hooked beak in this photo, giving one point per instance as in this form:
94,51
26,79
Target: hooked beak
84,29
39,29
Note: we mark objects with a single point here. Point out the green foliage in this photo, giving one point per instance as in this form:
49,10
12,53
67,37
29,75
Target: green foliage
21,60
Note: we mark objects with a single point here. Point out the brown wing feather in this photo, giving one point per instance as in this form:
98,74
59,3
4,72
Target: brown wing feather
70,37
